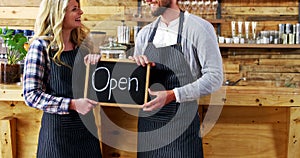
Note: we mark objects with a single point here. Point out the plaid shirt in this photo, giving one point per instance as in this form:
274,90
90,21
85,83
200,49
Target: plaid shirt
36,79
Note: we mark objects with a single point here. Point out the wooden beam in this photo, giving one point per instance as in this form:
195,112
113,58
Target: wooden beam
294,133
19,12
231,68
8,138
261,10
272,18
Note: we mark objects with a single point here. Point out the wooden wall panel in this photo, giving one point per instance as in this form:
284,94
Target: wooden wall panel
268,13
108,3
294,141
264,130
266,70
98,15
266,3
19,3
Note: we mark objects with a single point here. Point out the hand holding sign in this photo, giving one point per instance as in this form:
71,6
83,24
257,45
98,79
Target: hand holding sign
161,99
141,60
82,105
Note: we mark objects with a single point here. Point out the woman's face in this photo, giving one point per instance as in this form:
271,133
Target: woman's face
72,17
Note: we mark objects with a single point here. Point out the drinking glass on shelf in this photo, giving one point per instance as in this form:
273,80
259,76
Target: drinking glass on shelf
181,4
207,6
146,10
194,7
187,5
214,6
200,7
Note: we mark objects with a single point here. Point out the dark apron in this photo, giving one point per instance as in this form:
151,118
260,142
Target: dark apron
65,136
172,131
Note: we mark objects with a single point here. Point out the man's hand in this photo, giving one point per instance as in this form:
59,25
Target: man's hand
161,99
141,60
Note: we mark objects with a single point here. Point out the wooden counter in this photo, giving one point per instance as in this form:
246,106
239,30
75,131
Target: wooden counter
254,122
27,123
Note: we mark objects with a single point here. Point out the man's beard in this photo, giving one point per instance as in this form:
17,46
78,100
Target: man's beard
159,11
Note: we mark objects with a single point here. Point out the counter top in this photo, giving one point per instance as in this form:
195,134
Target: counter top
253,96
226,95
11,92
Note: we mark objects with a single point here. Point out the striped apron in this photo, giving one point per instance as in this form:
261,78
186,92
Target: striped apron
172,131
65,136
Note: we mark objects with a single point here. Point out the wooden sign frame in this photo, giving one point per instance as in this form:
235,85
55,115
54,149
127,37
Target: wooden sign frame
86,86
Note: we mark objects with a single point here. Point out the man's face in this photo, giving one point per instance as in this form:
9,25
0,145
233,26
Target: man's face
158,7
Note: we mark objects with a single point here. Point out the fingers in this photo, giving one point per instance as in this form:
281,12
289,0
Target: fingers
140,59
94,103
84,105
150,106
130,58
92,59
151,92
153,104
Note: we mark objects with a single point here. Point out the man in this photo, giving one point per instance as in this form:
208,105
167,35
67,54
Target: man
186,64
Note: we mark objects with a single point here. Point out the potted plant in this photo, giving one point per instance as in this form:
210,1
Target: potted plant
13,45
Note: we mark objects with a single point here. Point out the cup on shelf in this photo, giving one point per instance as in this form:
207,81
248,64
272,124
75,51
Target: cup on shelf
236,40
242,40
227,40
221,39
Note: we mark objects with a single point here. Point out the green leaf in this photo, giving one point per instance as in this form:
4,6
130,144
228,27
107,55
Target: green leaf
15,44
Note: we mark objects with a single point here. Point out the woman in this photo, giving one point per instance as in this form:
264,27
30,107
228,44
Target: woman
48,81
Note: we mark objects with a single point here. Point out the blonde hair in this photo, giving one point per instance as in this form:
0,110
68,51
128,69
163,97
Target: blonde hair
48,26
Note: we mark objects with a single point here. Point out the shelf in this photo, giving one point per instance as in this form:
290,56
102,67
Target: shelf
147,20
216,21
261,46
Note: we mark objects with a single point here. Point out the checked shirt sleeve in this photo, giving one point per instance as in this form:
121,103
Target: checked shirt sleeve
36,79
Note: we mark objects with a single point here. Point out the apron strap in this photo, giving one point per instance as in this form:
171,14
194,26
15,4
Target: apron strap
151,38
181,19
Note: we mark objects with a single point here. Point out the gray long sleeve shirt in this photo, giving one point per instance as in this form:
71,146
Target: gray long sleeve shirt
201,51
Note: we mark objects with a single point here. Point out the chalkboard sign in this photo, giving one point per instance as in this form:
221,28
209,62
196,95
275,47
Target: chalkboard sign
120,82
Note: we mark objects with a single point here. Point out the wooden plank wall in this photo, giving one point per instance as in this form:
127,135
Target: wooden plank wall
102,15
99,15
261,67
248,132
268,13
267,68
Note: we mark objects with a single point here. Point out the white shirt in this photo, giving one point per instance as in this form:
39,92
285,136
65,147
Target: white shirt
166,35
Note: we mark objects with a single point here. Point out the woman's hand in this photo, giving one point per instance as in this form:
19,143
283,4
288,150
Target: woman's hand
92,59
82,105
141,60
161,99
